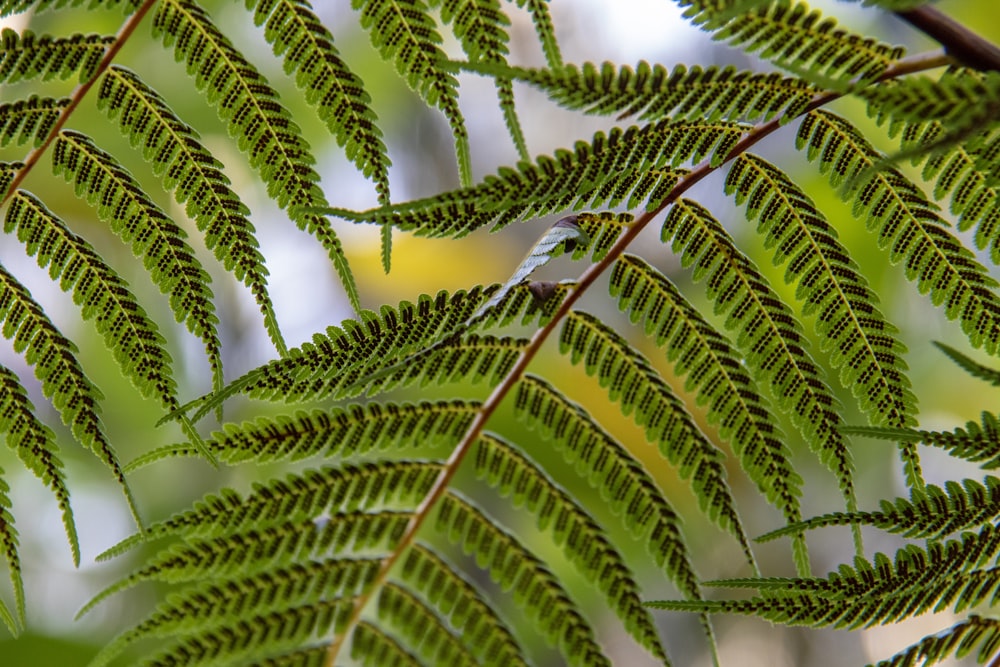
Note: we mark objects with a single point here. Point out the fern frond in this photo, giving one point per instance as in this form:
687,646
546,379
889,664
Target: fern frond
536,590
976,370
196,178
583,541
793,37
372,647
29,56
8,7
633,383
422,628
929,513
121,202
908,225
773,341
459,601
304,496
636,167
976,443
63,381
717,375
404,31
9,544
544,28
954,99
859,340
254,115
29,120
653,93
962,638
34,443
608,467
338,94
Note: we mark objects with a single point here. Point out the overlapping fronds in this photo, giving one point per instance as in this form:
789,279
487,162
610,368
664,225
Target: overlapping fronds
173,151
941,576
608,467
583,541
642,393
791,35
962,639
907,225
929,513
255,116
516,570
28,120
63,380
715,372
636,167
652,92
855,335
28,56
405,32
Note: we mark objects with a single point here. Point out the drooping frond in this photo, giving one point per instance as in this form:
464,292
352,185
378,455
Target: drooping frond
962,639
404,32
929,513
63,380
28,120
34,443
608,467
976,370
635,167
30,56
908,225
794,37
771,337
584,542
140,223
297,34
337,432
348,361
304,496
642,393
536,590
544,28
979,443
253,114
653,93
458,600
186,167
717,375
855,335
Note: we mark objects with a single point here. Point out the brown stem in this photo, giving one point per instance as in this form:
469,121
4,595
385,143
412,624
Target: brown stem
74,101
961,43
916,63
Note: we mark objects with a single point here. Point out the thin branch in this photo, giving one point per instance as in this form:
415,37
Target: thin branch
916,63
961,43
74,101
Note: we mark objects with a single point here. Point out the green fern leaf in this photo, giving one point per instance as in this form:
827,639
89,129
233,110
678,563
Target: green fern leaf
956,99
654,93
196,178
29,56
338,94
718,376
373,648
544,28
978,371
63,381
856,336
254,115
930,513
633,383
608,467
34,443
421,628
772,339
584,543
962,638
8,7
9,544
459,601
121,202
404,32
906,223
536,590
29,120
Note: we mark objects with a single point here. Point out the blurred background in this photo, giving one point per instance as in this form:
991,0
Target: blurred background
308,299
